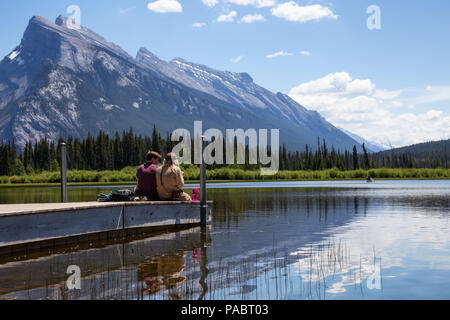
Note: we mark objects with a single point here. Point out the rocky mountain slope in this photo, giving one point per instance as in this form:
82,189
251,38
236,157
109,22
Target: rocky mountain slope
61,81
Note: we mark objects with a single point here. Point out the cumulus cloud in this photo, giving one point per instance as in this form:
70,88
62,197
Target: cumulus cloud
278,54
210,3
378,115
163,6
251,18
237,59
291,11
305,53
255,3
227,17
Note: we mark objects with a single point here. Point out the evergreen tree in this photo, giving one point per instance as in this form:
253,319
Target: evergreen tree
355,159
366,157
156,141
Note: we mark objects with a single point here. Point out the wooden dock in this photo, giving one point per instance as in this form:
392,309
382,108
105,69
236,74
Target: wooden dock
27,228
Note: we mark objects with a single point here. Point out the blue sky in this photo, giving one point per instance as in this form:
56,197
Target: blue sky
390,85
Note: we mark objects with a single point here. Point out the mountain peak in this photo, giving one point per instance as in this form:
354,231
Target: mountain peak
61,21
144,52
246,77
39,20
178,59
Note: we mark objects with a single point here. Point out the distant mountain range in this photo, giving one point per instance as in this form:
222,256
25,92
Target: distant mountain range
61,81
372,146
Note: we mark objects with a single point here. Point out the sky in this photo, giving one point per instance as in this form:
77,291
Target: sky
377,68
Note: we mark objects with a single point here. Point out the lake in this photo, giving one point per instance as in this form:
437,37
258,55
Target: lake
267,240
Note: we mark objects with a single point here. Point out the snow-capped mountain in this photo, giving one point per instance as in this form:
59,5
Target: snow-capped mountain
371,146
235,88
63,81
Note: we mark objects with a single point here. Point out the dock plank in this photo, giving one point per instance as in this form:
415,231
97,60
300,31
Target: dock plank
34,208
27,223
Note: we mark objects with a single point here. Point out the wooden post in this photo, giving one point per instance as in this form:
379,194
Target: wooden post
63,173
203,203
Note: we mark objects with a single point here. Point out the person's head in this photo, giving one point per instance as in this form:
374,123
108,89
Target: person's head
171,159
153,157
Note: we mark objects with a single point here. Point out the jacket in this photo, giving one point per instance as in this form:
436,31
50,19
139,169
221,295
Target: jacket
172,180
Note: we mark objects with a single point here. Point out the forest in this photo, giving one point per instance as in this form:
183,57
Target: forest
127,150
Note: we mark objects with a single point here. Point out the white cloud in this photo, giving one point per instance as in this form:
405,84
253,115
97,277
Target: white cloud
339,83
123,11
164,6
291,11
278,54
210,3
432,94
356,105
305,53
251,18
255,3
227,17
199,24
237,59
386,94
433,114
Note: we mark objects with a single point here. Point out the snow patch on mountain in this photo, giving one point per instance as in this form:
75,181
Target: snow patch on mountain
13,55
73,112
123,82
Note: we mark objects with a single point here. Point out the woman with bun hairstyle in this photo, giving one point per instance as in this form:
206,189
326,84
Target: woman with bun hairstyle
170,180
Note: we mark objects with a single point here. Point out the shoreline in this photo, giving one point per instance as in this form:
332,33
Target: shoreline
132,183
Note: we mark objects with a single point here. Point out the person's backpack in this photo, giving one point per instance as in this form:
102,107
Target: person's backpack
116,196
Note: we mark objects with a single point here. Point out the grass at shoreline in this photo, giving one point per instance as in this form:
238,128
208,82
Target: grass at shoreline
127,176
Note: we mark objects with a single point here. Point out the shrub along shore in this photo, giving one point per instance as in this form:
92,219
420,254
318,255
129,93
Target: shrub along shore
128,175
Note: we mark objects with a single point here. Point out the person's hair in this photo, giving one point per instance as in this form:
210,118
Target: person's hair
152,155
171,159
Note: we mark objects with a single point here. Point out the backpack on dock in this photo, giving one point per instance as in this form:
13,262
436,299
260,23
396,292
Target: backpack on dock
116,196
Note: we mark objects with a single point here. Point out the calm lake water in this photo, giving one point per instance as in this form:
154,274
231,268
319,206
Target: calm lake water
274,240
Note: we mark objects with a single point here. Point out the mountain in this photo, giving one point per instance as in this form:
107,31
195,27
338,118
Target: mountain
432,149
370,146
61,81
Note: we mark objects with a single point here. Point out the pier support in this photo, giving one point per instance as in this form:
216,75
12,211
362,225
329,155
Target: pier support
203,203
63,173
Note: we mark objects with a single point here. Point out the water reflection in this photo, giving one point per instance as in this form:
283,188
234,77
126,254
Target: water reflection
162,273
270,243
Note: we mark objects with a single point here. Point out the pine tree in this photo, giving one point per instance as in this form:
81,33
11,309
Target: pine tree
355,159
156,141
366,157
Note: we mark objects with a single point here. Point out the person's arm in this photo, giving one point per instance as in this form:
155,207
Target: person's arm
180,179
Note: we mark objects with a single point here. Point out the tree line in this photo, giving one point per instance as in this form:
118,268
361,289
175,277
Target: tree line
105,152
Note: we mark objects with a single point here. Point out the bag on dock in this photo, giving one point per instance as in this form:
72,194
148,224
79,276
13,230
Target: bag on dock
116,196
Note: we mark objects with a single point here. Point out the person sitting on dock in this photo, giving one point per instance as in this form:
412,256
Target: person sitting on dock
170,180
146,175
